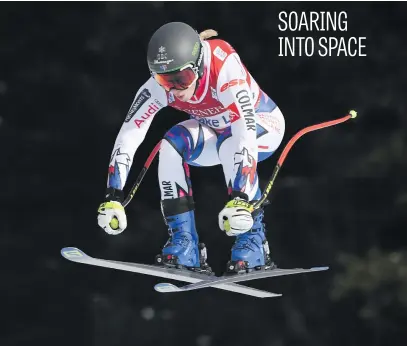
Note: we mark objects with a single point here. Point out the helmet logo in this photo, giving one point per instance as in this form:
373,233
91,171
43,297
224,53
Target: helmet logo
195,49
162,58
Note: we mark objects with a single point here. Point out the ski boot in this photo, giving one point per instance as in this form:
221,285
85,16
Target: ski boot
182,250
251,251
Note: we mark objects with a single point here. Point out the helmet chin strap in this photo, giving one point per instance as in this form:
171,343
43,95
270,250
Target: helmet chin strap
201,69
196,85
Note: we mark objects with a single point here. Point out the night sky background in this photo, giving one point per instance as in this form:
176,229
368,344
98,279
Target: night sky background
68,75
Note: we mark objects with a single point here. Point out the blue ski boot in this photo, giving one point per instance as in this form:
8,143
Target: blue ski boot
183,250
250,250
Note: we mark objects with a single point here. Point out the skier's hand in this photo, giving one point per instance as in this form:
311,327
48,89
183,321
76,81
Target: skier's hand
112,217
236,217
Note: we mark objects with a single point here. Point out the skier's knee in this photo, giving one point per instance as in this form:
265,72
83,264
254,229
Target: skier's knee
179,138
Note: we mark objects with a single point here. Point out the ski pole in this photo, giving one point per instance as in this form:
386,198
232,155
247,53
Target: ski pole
141,175
352,114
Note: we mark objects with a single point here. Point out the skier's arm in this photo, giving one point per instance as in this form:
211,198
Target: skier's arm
149,99
235,94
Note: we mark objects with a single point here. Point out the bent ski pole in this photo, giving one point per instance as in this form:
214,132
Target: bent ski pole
141,175
287,148
352,114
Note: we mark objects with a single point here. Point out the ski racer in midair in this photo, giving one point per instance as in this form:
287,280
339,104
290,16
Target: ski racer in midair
232,123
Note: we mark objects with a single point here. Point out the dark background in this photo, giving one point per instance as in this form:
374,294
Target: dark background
68,74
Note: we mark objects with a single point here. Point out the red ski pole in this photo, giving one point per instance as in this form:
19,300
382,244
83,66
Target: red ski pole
140,177
352,114
287,148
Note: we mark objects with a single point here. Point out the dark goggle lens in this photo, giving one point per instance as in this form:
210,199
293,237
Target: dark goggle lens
180,80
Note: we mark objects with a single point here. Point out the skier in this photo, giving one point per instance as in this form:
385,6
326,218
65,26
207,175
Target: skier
232,123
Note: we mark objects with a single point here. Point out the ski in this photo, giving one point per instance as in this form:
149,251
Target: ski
214,281
76,255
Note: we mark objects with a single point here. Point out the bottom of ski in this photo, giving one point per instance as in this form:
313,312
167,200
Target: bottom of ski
196,280
76,255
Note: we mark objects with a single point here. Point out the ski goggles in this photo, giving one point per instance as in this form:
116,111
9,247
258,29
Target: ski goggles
180,80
